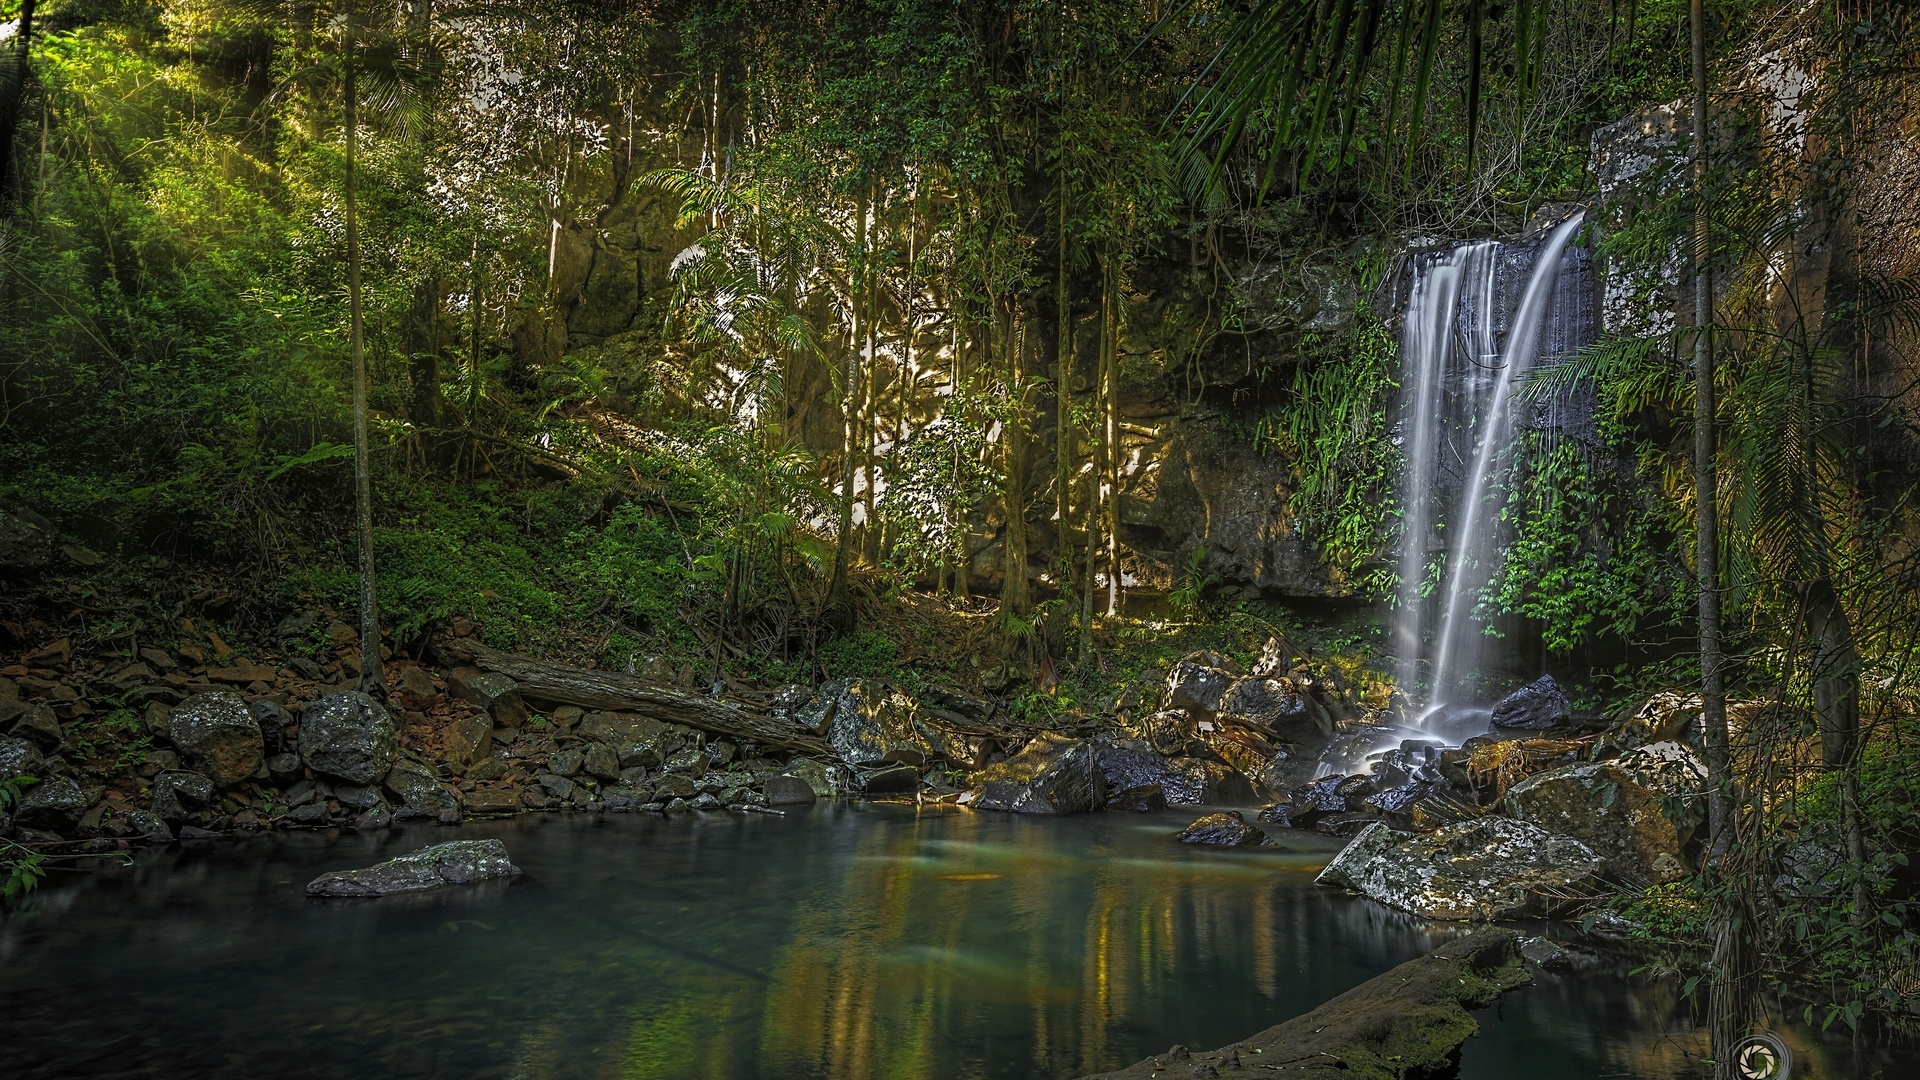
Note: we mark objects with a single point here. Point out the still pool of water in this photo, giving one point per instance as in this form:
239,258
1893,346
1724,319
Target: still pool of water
857,942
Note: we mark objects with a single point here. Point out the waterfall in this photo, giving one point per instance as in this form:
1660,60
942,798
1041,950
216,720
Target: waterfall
1457,418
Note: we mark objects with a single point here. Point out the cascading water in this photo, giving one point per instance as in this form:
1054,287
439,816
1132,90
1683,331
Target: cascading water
1470,337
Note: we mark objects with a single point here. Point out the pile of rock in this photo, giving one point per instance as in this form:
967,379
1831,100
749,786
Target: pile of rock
1502,829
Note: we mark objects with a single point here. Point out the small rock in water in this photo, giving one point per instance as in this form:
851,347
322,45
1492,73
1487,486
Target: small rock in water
191,832
706,801
1227,829
458,862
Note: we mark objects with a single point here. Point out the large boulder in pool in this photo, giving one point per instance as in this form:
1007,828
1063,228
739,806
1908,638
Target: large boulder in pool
1051,775
1128,765
1539,705
218,737
457,862
873,725
1637,810
351,736
1485,869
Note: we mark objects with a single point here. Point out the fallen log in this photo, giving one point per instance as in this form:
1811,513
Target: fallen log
1406,1023
618,692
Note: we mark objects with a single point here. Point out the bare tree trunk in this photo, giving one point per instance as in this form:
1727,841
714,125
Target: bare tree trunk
372,674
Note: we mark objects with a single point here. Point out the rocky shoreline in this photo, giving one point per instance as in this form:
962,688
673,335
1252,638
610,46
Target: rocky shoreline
198,741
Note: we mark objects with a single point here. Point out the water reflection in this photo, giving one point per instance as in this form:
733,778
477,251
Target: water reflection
863,943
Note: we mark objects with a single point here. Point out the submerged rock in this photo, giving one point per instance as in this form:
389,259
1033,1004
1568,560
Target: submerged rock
1227,829
457,862
349,735
1536,706
1488,868
1638,810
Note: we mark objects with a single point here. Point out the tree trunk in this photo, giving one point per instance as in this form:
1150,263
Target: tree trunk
1728,1000
423,364
373,679
1111,381
1063,441
13,96
1015,596
839,608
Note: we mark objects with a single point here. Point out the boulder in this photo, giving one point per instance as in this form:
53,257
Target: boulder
1143,799
1130,763
26,541
218,737
177,794
457,862
674,786
567,763
273,720
1539,705
690,762
491,801
817,774
18,757
889,779
360,797
1484,869
1199,682
874,724
492,693
469,739
634,740
1051,775
1637,810
349,735
418,788
1227,829
1664,717
56,802
35,722
557,786
416,687
788,791
600,761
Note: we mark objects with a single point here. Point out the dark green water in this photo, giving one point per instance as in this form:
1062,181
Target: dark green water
845,942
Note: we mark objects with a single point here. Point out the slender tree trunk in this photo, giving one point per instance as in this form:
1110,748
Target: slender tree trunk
1063,441
1728,998
839,610
13,96
1015,595
1111,379
372,674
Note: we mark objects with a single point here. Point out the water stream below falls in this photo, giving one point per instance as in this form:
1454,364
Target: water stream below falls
855,942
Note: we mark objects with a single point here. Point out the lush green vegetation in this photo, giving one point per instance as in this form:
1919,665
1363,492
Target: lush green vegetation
773,339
